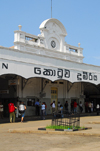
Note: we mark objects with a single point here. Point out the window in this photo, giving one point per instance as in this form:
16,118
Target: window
30,102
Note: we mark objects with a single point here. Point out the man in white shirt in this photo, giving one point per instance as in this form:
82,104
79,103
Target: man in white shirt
53,107
81,106
1,110
43,111
98,108
89,107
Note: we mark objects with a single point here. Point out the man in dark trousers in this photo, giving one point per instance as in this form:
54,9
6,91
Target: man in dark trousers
66,106
37,105
1,110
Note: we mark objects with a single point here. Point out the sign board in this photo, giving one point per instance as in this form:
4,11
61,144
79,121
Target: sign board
42,94
82,96
13,82
4,91
73,72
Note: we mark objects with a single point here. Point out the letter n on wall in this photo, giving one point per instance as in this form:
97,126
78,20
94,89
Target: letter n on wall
4,66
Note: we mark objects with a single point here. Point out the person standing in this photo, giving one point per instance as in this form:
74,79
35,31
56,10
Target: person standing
37,105
66,106
12,108
72,107
43,111
17,111
22,109
98,108
45,108
53,107
81,106
61,110
1,110
58,106
89,105
86,107
75,107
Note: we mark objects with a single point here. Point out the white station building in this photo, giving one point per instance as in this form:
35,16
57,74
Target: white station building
46,67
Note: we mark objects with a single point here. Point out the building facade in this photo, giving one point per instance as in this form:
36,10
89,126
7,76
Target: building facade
46,67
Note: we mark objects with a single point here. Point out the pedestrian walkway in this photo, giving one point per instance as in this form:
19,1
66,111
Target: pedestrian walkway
26,119
35,118
31,126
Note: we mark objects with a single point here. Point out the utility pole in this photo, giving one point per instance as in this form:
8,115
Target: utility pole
51,8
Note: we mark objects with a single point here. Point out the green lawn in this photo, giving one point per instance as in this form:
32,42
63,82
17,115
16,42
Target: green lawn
63,127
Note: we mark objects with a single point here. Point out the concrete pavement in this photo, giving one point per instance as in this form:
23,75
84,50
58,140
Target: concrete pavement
25,136
32,127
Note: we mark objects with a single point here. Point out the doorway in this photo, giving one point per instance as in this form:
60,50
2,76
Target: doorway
54,96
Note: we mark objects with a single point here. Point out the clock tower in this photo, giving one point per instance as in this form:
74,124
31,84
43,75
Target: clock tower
53,32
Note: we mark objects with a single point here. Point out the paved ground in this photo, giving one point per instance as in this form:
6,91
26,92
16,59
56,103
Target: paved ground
49,142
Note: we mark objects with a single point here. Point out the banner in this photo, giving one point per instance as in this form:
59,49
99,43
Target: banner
52,73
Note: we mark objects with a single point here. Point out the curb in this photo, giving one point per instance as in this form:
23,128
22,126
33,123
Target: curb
54,132
94,122
68,130
77,133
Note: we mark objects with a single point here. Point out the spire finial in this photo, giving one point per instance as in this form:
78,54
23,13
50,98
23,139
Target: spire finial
79,44
20,27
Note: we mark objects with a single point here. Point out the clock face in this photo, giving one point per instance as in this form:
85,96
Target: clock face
53,44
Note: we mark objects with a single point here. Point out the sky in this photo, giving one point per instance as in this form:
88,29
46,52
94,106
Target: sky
81,19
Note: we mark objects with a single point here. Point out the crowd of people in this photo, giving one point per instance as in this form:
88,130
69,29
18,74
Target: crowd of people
89,107
75,107
66,107
40,109
13,111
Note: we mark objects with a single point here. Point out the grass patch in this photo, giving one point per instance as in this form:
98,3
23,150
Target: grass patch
63,127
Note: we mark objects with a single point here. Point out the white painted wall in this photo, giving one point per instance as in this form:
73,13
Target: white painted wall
33,88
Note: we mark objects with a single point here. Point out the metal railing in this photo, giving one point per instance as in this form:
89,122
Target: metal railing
66,119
